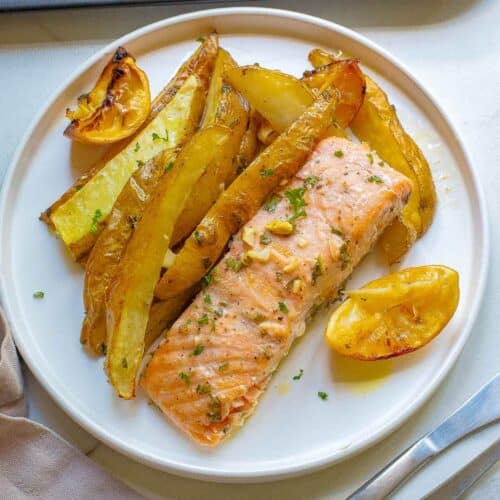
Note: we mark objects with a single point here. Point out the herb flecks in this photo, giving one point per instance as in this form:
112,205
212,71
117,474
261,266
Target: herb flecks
157,137
311,181
140,163
375,179
322,395
124,363
317,270
223,367
214,409
185,377
271,204
234,264
204,388
198,237
198,350
200,39
267,172
203,319
207,299
208,278
168,167
39,295
95,221
283,307
265,238
344,256
137,147
299,375
297,203
370,157
339,153
337,231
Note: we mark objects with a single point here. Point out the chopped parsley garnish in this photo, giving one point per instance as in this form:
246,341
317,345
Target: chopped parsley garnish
124,363
204,388
265,238
375,179
95,221
339,153
185,377
223,366
311,181
137,147
139,163
344,256
381,163
282,307
259,318
198,350
272,202
198,237
234,264
168,166
78,187
157,137
267,172
200,39
207,299
256,64
336,231
208,278
370,157
322,395
296,199
39,295
203,319
318,269
214,409
299,375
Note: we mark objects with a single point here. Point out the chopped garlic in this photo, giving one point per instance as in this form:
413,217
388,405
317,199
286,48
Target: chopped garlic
297,286
302,242
280,227
169,258
293,263
249,236
257,255
273,328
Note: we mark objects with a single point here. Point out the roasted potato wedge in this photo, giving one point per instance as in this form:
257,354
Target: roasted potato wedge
348,78
278,97
131,294
378,124
396,314
249,143
224,107
116,107
78,215
105,256
279,161
320,57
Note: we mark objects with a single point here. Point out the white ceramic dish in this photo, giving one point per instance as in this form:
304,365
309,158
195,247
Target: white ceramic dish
292,431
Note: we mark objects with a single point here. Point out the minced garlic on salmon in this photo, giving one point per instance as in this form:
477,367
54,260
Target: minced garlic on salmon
208,373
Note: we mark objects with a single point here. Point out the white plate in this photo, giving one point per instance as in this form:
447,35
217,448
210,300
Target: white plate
292,431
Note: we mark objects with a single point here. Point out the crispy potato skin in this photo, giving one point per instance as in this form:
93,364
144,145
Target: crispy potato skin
348,78
117,105
377,123
245,196
105,256
394,315
130,296
200,64
224,107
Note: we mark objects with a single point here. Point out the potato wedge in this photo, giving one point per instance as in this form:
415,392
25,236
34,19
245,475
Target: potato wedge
378,124
116,107
105,256
130,296
348,78
88,203
396,314
245,195
278,97
248,144
320,57
224,107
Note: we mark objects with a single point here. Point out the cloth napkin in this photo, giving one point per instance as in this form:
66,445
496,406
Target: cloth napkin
35,462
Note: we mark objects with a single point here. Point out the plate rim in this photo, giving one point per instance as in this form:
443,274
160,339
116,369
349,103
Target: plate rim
305,466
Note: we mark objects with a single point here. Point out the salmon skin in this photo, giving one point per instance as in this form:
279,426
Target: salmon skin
293,255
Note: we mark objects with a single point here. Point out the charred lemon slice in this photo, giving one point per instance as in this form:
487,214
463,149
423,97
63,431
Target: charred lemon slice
396,314
116,107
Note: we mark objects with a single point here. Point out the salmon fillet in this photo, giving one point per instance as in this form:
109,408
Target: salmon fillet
216,360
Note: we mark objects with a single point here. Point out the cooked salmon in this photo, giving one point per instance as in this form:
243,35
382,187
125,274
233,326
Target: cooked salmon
293,255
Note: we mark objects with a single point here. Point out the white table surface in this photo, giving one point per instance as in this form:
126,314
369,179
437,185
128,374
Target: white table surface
454,48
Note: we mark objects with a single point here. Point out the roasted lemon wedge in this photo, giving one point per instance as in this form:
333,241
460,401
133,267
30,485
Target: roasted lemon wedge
396,314
116,107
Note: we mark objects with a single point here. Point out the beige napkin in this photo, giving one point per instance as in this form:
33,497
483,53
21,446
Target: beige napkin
34,462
